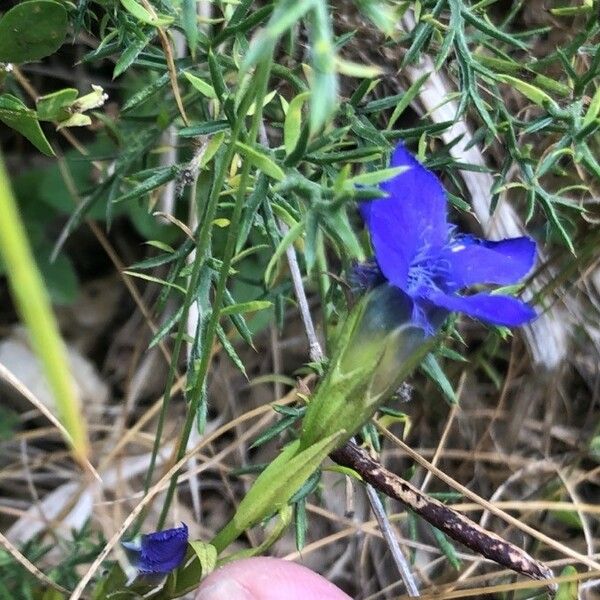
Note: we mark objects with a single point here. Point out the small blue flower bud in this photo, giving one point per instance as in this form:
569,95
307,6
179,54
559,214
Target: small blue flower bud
160,552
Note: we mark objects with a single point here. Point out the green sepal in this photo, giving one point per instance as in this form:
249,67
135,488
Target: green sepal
378,347
276,485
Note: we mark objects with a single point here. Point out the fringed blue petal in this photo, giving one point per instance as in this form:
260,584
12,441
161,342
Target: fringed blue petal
417,251
419,196
413,216
470,261
497,310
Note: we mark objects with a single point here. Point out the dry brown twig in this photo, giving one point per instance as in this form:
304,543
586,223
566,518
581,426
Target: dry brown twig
452,523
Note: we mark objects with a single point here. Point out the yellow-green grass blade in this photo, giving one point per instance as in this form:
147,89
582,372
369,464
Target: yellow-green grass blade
33,304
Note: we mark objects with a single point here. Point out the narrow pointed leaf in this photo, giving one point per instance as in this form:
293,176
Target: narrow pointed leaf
261,161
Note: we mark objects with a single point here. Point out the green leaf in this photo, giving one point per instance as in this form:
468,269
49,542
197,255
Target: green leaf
276,485
593,109
146,92
358,70
145,16
261,161
268,97
407,98
339,227
212,147
52,107
189,17
283,17
381,14
237,320
207,556
246,307
446,546
432,367
216,76
324,84
570,11
486,27
251,206
375,177
568,590
32,302
24,120
200,85
159,177
531,92
289,238
293,122
157,280
32,30
160,245
230,350
308,487
166,327
205,128
284,518
275,429
129,55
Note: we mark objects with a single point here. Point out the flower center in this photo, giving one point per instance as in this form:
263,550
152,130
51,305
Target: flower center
427,271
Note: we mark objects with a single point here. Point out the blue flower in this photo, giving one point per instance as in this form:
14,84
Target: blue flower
420,253
160,552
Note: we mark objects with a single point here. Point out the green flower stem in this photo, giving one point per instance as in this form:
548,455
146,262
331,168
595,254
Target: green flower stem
260,88
33,304
202,246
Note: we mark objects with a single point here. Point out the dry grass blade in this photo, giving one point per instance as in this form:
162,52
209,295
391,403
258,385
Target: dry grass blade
164,481
22,560
532,505
488,505
503,588
18,385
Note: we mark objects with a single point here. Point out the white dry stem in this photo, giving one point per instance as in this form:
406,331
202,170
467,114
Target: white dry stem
193,319
169,140
192,326
547,337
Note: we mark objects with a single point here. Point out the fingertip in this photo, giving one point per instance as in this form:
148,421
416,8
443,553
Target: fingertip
223,587
267,579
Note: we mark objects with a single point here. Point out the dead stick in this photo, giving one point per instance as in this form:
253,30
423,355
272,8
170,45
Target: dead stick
459,527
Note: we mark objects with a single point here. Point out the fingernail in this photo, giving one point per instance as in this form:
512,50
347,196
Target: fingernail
224,589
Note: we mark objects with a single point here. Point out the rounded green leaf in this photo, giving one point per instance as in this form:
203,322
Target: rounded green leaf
32,30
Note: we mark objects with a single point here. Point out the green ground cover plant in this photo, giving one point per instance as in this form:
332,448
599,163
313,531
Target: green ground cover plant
258,225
